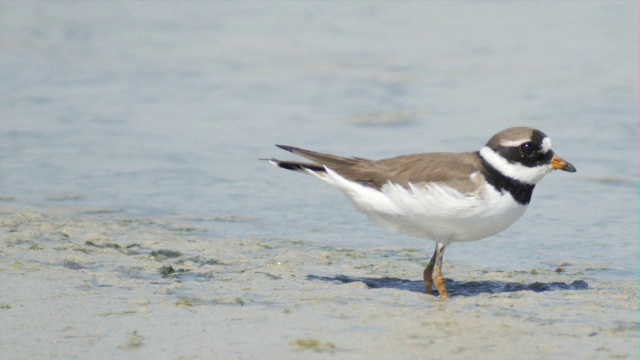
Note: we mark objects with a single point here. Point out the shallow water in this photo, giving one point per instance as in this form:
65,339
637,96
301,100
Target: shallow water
124,111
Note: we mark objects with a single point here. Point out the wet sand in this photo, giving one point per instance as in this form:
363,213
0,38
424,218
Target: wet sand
88,284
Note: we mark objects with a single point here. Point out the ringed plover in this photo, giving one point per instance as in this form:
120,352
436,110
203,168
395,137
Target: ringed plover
446,197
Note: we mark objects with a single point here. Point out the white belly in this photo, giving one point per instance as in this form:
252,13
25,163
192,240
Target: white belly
433,212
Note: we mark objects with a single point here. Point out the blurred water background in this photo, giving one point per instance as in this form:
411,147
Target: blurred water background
162,110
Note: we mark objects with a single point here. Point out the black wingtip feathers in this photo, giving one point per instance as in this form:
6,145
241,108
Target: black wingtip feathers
286,147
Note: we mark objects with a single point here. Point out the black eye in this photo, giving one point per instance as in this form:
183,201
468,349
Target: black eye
528,149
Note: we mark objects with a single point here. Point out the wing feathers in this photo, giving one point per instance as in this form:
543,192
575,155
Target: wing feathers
325,159
453,168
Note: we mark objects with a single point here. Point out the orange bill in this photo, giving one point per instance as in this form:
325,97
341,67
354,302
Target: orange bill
559,164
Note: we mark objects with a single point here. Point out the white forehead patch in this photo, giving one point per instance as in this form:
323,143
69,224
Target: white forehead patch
546,145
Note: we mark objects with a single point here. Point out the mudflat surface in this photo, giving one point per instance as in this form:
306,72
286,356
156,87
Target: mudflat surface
86,285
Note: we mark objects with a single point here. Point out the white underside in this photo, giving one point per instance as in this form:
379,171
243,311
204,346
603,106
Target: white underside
433,211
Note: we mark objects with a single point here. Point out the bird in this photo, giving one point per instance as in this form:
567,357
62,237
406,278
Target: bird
445,197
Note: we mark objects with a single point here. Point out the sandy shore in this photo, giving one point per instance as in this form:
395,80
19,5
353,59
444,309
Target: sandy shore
80,284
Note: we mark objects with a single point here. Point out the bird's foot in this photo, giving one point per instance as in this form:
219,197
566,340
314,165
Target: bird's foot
442,289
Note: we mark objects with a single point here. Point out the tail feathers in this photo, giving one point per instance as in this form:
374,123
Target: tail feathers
297,166
360,170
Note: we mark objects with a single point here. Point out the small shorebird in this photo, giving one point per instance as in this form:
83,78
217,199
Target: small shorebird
446,197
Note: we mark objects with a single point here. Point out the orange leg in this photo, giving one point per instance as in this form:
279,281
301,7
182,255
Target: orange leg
433,273
428,274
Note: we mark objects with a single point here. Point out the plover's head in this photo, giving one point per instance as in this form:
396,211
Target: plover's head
523,154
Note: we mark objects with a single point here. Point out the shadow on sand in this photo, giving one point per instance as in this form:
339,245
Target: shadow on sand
456,288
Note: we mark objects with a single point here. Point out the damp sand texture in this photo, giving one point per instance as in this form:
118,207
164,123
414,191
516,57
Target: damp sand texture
79,285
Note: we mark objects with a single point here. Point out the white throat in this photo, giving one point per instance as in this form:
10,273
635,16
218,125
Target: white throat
525,174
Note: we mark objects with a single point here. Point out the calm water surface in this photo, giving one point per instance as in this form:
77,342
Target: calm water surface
164,110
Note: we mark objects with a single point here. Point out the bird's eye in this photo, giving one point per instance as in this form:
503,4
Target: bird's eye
528,149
